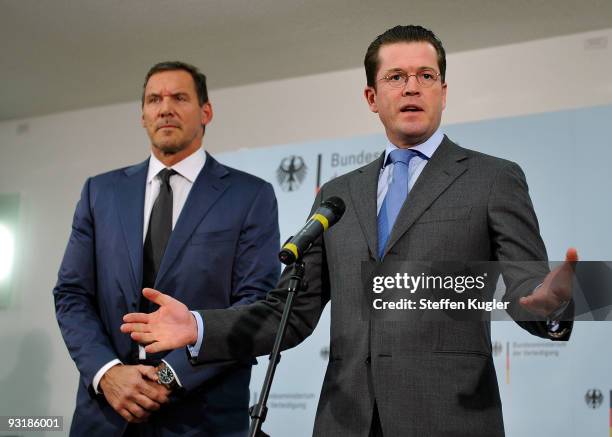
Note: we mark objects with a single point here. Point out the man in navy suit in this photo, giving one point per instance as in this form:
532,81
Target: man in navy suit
179,222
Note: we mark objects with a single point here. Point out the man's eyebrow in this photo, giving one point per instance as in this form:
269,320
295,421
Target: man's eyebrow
396,69
156,94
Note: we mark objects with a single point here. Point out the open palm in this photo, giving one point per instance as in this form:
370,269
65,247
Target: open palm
172,326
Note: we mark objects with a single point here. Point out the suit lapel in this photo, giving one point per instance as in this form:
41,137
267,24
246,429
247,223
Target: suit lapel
129,194
363,189
206,190
440,172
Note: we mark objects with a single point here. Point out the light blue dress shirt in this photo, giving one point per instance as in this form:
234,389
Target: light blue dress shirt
195,349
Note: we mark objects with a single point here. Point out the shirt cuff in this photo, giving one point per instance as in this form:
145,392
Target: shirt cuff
176,378
101,373
556,315
194,350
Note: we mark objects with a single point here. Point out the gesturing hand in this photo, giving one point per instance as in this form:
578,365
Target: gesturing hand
555,290
170,327
133,392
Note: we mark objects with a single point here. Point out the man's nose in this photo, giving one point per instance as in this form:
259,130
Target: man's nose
166,106
412,86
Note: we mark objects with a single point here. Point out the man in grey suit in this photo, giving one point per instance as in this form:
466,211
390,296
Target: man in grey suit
384,377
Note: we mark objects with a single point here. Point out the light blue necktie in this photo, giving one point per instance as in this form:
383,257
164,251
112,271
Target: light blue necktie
397,192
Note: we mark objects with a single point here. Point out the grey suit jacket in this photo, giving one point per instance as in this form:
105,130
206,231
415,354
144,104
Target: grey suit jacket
426,378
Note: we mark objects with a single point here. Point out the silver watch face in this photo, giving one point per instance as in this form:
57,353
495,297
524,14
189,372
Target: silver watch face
165,375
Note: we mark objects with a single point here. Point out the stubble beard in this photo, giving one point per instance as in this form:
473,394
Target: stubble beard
170,148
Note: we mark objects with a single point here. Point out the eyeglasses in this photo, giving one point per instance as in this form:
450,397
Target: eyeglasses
398,79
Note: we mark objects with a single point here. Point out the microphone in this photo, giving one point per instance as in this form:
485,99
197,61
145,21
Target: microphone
325,216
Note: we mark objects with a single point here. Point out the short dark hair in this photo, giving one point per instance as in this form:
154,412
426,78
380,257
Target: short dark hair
397,34
199,79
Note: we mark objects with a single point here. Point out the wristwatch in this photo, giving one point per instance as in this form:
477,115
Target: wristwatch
165,377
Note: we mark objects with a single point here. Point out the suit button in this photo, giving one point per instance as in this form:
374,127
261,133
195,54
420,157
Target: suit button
368,360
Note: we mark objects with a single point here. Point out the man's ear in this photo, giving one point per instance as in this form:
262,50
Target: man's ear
370,95
444,88
206,113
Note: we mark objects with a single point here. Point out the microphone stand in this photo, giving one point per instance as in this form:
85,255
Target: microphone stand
259,410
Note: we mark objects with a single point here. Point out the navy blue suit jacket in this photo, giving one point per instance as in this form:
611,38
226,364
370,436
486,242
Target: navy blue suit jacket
222,253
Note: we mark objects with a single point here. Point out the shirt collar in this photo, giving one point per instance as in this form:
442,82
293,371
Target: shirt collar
427,148
189,167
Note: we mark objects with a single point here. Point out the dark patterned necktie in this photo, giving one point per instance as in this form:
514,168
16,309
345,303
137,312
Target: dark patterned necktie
160,228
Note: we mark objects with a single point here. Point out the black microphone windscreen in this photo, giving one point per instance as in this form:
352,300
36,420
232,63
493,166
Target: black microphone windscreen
336,205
